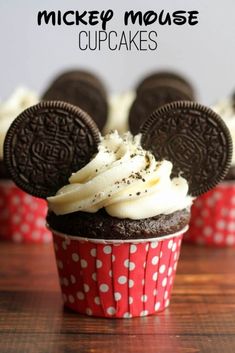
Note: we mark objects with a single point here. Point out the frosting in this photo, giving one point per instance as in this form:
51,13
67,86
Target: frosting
119,105
225,108
124,179
10,109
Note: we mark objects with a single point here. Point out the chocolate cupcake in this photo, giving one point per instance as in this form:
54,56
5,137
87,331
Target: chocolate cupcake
123,202
108,218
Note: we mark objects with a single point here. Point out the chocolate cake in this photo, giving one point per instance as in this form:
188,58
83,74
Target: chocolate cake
102,226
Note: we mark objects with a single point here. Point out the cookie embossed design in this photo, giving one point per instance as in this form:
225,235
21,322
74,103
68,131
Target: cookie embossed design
46,143
182,146
194,139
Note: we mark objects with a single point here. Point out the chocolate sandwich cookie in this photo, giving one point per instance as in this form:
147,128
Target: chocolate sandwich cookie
103,226
82,89
169,78
150,99
46,143
194,138
81,75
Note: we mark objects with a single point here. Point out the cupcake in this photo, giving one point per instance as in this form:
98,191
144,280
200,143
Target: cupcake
127,248
118,205
213,213
21,215
128,110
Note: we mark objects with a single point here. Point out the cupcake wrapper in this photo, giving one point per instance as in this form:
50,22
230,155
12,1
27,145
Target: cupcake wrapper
213,217
22,216
116,280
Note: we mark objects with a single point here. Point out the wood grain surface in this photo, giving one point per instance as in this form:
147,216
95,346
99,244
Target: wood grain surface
200,318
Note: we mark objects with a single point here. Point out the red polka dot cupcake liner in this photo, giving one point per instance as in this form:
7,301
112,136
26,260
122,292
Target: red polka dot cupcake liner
22,216
213,217
116,279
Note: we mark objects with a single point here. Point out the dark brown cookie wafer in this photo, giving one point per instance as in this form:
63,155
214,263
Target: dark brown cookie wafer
46,143
167,77
80,75
194,138
149,100
179,86
82,89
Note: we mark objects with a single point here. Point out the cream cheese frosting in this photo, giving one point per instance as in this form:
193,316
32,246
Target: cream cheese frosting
119,106
21,99
225,108
124,179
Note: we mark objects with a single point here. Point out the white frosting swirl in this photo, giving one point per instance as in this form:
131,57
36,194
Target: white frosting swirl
20,100
119,106
126,180
226,110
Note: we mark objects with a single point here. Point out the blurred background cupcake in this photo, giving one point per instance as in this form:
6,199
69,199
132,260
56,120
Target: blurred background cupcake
213,213
129,110
22,216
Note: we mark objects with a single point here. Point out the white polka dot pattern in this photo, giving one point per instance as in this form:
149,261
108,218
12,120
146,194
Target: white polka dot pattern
22,216
137,283
213,217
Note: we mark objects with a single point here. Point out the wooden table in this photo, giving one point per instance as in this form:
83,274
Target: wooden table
201,317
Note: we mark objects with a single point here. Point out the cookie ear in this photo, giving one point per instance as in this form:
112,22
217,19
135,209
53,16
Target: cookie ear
155,91
167,78
82,89
46,143
194,138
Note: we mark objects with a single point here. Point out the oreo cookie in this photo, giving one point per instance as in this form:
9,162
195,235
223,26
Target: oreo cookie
83,89
194,138
168,78
150,99
154,91
46,143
